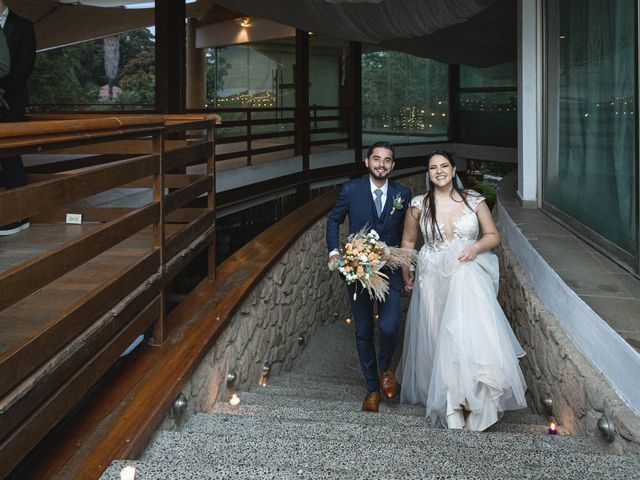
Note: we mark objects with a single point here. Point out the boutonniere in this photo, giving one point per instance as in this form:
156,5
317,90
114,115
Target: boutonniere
398,203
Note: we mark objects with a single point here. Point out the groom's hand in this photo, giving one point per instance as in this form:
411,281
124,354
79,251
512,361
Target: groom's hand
334,261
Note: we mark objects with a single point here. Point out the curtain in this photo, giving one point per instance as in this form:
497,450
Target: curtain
591,172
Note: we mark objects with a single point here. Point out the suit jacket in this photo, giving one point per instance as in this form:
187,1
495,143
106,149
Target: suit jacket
356,201
22,47
5,58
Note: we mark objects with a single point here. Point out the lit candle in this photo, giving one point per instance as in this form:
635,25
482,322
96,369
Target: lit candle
553,429
348,320
128,473
235,400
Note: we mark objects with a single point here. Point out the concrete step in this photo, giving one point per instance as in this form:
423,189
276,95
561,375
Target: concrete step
369,458
170,471
265,398
220,425
510,422
351,393
293,379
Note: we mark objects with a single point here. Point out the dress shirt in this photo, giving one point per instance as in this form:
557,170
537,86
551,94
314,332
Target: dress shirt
3,16
384,189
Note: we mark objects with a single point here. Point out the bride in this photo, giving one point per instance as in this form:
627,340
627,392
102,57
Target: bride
460,355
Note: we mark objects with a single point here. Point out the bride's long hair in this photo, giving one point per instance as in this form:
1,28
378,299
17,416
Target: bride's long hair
429,207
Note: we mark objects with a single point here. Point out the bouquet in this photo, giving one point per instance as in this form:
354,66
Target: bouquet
363,257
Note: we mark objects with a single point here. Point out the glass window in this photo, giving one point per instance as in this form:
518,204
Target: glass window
404,98
502,75
487,105
488,118
116,72
327,76
590,172
254,75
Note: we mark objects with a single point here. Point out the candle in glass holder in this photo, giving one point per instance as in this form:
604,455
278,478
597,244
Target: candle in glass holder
348,320
235,400
128,473
553,429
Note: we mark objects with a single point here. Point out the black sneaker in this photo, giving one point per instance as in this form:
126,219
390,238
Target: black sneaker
14,227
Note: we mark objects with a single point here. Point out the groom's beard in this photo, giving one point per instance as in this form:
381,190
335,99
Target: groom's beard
378,176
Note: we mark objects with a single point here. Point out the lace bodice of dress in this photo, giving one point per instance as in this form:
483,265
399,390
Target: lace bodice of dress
458,224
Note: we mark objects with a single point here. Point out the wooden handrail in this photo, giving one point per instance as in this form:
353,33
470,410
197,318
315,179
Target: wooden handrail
21,203
47,373
125,411
84,125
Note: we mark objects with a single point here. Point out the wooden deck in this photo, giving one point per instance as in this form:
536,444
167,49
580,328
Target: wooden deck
27,318
74,297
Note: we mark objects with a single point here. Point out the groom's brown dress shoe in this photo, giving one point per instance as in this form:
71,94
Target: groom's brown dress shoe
371,401
388,383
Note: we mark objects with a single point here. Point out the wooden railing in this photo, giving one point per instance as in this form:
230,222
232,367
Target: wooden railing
258,131
43,376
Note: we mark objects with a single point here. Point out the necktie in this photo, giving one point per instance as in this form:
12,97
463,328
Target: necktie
378,201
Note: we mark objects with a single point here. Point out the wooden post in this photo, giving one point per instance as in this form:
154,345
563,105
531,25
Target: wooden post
355,99
249,140
159,331
170,56
196,69
211,201
302,126
453,129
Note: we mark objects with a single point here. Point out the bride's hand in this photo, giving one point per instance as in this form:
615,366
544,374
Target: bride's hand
468,254
408,282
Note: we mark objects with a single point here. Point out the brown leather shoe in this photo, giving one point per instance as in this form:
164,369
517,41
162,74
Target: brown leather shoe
388,383
371,401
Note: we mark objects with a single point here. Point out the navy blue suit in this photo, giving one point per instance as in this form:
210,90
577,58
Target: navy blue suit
356,201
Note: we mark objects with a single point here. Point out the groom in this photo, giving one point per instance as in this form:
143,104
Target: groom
374,202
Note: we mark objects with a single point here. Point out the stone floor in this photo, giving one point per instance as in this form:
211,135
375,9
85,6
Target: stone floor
307,424
611,291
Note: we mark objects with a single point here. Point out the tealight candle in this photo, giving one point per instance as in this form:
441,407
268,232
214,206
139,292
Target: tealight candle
235,400
128,473
553,429
348,320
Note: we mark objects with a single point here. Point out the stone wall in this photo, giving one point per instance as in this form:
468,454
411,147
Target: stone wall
554,365
295,297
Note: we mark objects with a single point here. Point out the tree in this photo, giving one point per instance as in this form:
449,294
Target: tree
61,77
138,80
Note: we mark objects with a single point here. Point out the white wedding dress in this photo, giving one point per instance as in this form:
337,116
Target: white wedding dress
459,349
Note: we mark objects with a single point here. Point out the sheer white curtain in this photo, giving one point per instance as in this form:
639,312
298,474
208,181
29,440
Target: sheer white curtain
591,170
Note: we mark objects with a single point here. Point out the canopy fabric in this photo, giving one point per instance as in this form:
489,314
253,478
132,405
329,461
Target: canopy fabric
472,32
58,23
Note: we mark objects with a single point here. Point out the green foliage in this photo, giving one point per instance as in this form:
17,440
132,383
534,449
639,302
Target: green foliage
488,191
138,79
62,77
499,169
73,75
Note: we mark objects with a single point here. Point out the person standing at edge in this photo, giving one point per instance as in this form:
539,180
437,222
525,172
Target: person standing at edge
374,202
21,40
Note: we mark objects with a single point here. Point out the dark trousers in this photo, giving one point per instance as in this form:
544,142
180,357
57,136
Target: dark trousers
12,167
388,325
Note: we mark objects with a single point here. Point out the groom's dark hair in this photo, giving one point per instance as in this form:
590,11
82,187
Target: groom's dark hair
387,145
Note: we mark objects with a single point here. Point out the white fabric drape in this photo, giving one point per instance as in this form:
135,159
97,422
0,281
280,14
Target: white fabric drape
474,32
